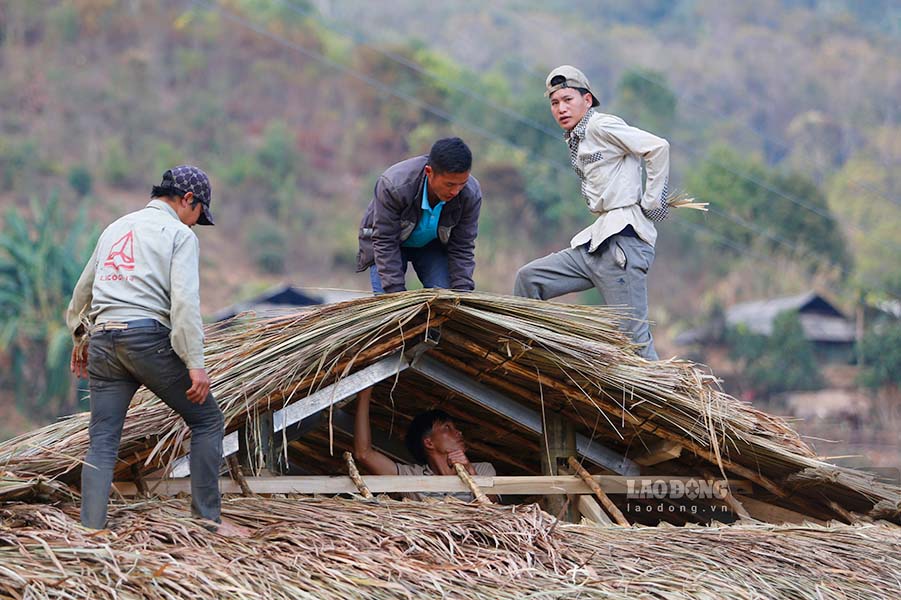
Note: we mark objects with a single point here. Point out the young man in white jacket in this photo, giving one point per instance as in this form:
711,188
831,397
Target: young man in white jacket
615,253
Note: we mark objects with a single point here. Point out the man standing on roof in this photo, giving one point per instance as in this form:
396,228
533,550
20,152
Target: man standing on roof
432,439
425,211
135,319
616,252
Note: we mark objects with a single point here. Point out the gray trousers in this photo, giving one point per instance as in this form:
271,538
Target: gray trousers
119,362
618,269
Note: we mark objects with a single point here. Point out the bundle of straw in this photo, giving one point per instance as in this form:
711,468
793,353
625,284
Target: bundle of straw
575,353
305,548
682,200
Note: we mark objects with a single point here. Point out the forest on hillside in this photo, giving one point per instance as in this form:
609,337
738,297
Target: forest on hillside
783,114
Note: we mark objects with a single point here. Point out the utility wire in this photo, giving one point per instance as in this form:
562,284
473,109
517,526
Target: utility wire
371,81
687,148
485,133
779,144
719,238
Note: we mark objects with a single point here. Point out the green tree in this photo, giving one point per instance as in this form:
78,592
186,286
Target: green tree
116,167
781,362
644,99
41,257
277,155
881,353
267,243
80,180
860,195
757,198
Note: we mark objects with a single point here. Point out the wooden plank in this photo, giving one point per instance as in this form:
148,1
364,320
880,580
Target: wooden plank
380,484
770,513
345,387
592,511
559,441
659,452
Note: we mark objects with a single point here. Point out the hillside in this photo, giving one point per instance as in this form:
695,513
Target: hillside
782,114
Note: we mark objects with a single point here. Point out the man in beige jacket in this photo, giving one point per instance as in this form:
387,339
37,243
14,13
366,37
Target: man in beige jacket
135,319
615,253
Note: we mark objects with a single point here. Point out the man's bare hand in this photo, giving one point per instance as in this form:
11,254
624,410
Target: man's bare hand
200,386
457,456
79,363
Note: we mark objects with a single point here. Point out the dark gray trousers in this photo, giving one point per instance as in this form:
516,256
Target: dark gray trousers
119,362
618,269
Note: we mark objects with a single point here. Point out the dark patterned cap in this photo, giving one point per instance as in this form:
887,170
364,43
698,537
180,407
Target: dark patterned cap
184,179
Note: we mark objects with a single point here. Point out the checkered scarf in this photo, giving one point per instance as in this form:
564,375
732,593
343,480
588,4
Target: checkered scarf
574,138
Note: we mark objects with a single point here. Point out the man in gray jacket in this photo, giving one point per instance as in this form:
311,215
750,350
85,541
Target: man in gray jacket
615,253
135,319
425,211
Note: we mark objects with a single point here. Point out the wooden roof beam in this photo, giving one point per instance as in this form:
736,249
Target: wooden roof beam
525,417
659,452
378,484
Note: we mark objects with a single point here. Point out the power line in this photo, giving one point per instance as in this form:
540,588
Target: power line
823,213
691,150
358,40
762,232
721,239
782,146
490,135
440,113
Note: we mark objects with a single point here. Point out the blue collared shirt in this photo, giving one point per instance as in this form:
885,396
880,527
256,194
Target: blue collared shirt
427,228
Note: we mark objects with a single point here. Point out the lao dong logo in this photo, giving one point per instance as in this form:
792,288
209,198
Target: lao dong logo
676,489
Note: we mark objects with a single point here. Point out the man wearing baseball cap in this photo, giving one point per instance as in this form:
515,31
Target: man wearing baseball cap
615,253
135,319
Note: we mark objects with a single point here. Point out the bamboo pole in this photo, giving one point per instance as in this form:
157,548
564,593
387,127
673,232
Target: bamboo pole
235,470
847,516
731,501
143,492
480,496
606,502
355,475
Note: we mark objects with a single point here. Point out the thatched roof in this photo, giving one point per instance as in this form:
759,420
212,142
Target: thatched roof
334,548
820,320
550,358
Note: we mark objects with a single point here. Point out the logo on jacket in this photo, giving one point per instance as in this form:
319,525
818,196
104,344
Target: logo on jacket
122,254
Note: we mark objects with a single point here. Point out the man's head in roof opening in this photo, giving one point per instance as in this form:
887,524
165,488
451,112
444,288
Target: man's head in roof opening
433,433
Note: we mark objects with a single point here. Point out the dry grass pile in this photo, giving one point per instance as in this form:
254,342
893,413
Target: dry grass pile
566,358
313,548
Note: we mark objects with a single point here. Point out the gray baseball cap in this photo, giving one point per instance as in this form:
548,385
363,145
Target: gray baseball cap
184,179
567,76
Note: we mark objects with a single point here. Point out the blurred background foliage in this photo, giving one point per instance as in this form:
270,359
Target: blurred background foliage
783,114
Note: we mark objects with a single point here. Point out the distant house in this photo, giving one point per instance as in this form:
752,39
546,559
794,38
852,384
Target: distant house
822,322
832,333
283,298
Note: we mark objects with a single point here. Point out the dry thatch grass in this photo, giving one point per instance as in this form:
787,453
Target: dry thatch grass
314,548
571,358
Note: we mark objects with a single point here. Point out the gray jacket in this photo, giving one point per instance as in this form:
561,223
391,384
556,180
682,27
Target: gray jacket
145,265
393,214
